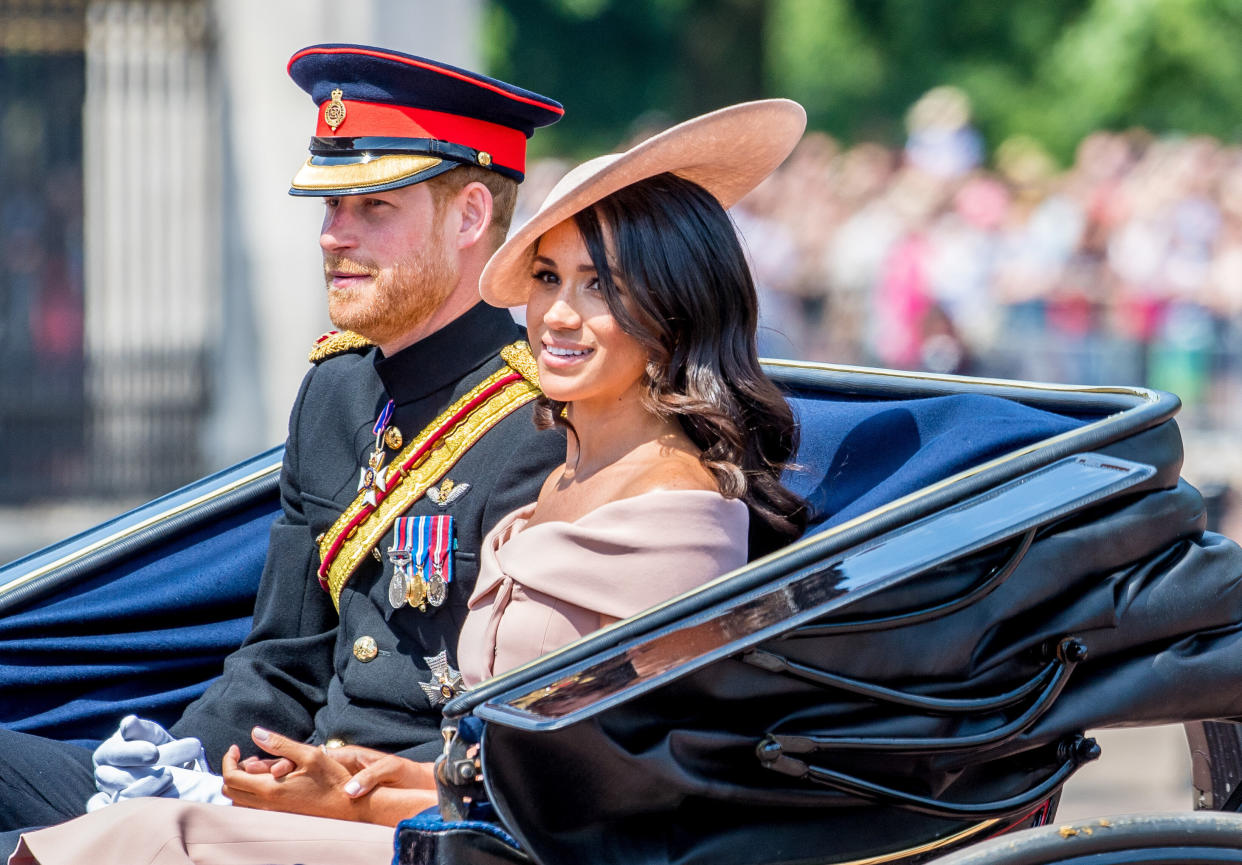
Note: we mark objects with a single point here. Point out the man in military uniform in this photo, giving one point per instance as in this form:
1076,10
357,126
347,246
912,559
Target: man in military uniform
410,437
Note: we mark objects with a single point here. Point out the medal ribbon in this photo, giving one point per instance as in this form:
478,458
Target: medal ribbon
442,546
402,541
381,423
423,533
459,419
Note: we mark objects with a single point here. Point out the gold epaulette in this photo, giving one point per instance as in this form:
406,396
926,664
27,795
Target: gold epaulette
336,342
423,462
521,361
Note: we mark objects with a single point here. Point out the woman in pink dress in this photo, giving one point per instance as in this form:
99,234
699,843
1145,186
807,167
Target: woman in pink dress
641,314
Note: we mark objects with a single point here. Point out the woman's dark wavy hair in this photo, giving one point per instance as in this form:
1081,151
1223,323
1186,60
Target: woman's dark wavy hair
686,294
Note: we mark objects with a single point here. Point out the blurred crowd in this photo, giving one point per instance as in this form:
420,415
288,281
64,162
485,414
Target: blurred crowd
1124,268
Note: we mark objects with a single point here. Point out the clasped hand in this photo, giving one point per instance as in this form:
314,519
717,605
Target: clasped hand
350,783
346,783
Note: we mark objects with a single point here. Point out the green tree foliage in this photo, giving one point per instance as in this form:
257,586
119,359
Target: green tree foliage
623,66
1050,69
1168,65
608,62
859,64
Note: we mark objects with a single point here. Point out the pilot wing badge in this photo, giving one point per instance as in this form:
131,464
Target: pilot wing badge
447,493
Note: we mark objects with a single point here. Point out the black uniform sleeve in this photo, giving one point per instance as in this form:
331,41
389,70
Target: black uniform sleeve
277,678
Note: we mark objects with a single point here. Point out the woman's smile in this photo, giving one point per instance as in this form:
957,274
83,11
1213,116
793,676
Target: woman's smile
564,356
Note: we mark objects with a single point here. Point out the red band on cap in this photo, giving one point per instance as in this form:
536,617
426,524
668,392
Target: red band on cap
506,146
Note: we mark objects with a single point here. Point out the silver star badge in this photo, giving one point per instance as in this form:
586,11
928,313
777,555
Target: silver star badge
446,683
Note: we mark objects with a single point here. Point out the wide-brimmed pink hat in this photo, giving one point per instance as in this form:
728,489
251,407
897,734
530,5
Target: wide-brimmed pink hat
727,152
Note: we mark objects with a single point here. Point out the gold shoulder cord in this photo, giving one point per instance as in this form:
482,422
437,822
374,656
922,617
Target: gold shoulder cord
416,479
336,342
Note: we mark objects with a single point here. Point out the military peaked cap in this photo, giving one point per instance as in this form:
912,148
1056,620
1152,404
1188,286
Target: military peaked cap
388,119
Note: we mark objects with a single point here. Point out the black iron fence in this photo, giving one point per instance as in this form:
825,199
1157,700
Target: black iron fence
109,241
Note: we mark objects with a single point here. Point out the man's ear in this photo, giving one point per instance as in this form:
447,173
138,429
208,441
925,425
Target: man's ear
475,202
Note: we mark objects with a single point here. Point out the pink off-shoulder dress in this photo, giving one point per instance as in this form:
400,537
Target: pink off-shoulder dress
543,586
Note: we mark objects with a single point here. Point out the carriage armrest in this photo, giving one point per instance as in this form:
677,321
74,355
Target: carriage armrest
546,695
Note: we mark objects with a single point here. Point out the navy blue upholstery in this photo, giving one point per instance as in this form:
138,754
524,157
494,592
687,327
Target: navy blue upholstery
145,636
858,455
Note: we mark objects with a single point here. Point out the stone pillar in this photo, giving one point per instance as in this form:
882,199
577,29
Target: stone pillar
151,177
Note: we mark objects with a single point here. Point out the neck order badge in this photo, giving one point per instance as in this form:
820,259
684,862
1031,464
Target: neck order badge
372,473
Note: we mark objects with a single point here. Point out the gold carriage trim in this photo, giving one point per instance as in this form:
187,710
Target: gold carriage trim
336,342
422,463
921,850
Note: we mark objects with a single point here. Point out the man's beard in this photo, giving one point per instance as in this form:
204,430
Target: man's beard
398,299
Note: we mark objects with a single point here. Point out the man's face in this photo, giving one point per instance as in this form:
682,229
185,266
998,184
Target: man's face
386,263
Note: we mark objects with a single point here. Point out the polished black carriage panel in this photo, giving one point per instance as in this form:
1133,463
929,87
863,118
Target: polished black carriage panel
865,451
881,449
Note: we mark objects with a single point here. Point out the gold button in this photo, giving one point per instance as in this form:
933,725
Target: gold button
365,649
485,158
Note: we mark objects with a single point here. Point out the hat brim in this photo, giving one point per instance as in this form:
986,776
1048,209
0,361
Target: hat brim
727,152
357,176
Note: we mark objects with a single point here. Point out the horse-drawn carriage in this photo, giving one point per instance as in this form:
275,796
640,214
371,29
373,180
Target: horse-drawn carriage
993,569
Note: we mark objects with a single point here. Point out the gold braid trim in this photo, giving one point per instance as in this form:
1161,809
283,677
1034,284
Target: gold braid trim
336,342
418,478
428,432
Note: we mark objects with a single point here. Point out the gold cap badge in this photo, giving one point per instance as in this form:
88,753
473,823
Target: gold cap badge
334,112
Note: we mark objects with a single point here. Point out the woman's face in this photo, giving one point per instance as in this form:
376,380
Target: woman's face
584,355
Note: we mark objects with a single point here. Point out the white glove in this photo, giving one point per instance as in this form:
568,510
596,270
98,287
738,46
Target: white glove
138,742
142,759
171,782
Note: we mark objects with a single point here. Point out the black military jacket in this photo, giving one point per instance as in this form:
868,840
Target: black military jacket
297,672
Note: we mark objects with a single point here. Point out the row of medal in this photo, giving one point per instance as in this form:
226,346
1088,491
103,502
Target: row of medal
422,561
